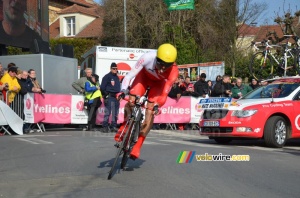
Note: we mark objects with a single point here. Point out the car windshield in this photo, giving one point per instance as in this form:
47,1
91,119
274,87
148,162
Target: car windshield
274,90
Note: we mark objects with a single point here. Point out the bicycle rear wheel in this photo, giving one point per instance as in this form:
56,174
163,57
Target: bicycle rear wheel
120,148
261,67
131,142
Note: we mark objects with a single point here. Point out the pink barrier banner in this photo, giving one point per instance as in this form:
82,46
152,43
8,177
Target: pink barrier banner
55,108
69,109
174,111
30,109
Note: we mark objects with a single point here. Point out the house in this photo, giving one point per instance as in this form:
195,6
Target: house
75,19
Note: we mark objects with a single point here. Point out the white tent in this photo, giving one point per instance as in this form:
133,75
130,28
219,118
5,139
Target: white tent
9,118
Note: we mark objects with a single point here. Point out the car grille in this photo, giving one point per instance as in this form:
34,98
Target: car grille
214,113
216,129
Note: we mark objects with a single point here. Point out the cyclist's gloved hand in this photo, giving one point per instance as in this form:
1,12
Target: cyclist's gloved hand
156,110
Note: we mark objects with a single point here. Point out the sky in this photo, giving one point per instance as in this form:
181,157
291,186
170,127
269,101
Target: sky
274,7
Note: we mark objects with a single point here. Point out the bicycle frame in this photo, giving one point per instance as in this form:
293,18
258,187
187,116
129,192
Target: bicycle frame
282,61
130,134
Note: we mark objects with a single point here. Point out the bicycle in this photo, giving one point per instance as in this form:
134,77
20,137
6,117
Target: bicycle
131,134
262,65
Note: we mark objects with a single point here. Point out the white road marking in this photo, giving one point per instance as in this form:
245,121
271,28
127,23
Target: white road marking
194,144
154,143
34,141
30,136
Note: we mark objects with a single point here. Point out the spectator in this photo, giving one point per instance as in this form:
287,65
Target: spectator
12,82
239,90
22,80
175,92
181,83
11,65
201,86
218,79
79,84
222,88
3,89
93,93
110,86
233,82
210,87
184,85
32,83
1,71
190,91
254,84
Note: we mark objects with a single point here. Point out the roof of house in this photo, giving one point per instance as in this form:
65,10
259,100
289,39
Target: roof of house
87,3
264,31
93,30
93,11
247,30
54,29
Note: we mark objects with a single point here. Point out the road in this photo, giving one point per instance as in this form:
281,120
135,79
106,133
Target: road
69,163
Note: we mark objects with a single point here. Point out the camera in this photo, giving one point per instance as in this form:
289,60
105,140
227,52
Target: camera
43,90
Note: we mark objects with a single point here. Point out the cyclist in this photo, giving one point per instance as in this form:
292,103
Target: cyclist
158,71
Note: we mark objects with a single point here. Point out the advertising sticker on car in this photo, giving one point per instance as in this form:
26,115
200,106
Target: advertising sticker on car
215,103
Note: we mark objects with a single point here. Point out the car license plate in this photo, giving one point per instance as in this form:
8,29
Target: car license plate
211,123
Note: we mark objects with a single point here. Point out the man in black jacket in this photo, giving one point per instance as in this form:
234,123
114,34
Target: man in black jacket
175,92
109,87
201,86
222,88
19,100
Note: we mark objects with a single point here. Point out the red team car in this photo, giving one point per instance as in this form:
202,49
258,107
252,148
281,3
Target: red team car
271,112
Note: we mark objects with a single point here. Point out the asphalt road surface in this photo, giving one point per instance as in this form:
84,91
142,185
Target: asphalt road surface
69,163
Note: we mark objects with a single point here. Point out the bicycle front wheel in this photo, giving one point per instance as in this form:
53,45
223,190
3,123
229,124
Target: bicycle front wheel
261,67
120,148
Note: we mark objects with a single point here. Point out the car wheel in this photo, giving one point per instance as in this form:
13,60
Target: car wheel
224,140
275,132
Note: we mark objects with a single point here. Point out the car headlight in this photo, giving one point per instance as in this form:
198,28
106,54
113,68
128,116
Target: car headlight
244,113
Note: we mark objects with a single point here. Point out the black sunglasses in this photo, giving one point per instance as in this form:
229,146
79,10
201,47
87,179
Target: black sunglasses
114,68
163,63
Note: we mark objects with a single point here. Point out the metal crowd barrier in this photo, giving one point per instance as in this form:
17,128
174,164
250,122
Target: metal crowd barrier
3,124
17,105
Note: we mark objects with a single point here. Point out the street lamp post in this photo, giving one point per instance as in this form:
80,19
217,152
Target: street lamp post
125,34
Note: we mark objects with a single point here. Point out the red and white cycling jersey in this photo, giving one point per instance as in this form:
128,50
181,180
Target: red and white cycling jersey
146,74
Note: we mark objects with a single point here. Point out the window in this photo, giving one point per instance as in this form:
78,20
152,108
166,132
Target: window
70,26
